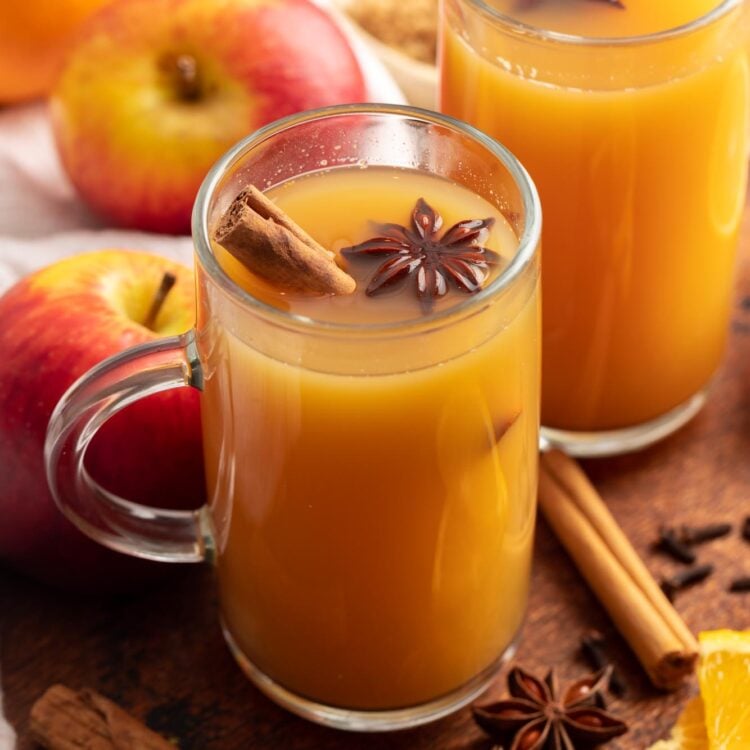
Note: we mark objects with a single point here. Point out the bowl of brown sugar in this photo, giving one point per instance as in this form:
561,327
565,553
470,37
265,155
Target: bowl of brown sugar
403,33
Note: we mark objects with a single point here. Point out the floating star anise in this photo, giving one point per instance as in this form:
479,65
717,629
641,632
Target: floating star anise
457,256
526,4
538,717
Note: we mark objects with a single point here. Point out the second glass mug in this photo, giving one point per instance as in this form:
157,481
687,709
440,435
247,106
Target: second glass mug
638,148
388,603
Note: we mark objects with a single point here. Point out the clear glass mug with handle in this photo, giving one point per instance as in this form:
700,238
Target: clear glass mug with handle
394,601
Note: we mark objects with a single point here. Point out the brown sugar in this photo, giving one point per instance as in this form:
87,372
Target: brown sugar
408,25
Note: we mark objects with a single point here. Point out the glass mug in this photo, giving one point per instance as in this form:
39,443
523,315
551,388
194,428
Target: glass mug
637,146
386,595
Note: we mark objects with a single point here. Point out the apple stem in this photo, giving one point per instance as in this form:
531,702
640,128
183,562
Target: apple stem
167,282
183,69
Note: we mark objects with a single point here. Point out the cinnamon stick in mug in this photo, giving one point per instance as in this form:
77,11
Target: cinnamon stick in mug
265,240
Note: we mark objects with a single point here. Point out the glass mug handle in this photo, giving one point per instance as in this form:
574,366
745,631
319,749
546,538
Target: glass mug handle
124,526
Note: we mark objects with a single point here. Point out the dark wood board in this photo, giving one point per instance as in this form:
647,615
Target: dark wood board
161,654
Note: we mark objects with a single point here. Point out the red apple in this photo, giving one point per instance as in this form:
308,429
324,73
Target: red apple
156,90
55,325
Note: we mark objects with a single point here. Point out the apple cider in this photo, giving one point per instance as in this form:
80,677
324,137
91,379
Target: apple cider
638,151
374,503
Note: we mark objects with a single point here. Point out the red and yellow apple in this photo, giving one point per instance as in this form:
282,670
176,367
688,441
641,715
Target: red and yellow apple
156,90
54,326
34,35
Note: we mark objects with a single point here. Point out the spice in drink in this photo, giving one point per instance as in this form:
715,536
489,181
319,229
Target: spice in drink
456,257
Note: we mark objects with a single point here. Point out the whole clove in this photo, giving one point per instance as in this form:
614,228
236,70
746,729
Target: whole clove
740,585
685,579
593,650
700,534
670,543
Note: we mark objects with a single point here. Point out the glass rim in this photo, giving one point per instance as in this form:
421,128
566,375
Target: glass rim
542,34
525,252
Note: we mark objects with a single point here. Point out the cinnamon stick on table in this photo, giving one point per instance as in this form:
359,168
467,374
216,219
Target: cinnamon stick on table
605,557
266,240
63,719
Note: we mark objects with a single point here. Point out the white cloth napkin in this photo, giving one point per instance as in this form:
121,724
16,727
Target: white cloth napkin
43,220
41,217
7,735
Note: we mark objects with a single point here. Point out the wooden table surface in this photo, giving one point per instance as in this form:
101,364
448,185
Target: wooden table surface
161,655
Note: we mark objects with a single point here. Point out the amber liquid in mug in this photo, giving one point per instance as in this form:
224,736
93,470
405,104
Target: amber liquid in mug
642,189
374,534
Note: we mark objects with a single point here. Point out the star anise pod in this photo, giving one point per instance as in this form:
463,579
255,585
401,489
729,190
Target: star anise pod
526,4
457,256
538,717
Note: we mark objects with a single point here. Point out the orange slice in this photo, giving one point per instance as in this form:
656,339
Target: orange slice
689,733
724,676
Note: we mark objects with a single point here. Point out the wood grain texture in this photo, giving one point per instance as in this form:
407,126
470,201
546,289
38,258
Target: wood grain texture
161,654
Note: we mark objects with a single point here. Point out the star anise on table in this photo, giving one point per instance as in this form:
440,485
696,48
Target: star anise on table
434,261
538,717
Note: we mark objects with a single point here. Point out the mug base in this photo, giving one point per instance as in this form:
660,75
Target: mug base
357,720
626,440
